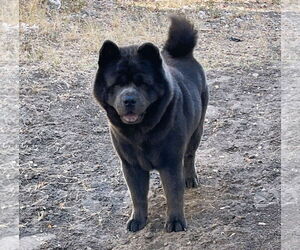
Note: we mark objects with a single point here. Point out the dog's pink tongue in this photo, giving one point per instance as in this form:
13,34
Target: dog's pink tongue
130,118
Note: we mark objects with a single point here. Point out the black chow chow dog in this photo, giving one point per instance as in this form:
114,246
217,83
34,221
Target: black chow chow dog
156,103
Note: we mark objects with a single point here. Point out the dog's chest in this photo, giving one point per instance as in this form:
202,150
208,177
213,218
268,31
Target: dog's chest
147,156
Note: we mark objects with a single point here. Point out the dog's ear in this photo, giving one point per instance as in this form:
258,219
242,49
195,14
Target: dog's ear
109,52
150,52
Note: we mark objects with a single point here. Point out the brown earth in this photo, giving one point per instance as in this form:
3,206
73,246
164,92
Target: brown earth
72,192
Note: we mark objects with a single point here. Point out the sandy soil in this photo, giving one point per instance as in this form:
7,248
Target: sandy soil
72,192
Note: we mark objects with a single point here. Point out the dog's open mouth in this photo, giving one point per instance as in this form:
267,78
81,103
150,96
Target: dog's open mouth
131,118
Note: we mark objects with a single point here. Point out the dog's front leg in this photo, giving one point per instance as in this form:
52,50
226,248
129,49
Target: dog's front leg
138,183
173,184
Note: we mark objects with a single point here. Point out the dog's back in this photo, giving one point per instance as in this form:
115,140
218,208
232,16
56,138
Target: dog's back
178,52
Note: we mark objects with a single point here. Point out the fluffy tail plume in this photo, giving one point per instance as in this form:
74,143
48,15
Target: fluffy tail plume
182,38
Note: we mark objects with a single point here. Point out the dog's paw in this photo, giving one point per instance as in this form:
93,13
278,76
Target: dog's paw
175,225
191,182
134,225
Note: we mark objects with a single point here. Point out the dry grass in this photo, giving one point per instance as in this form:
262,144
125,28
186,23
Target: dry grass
51,37
59,40
33,12
45,34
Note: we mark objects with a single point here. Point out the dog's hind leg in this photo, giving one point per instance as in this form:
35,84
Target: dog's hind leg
190,175
191,180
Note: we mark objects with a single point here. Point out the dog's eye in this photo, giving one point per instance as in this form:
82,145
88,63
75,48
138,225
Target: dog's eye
140,80
121,80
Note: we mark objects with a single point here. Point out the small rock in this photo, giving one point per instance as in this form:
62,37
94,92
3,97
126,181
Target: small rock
221,208
55,4
202,13
235,39
262,223
148,235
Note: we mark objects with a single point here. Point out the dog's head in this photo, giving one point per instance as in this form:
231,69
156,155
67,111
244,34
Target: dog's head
129,80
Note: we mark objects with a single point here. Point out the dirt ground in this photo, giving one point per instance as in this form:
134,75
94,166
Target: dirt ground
72,191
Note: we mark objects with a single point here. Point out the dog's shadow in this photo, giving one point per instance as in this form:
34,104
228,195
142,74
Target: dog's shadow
201,207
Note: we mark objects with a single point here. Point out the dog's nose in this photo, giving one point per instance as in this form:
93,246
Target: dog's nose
129,101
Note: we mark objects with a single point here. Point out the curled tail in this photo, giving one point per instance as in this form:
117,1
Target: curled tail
182,38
